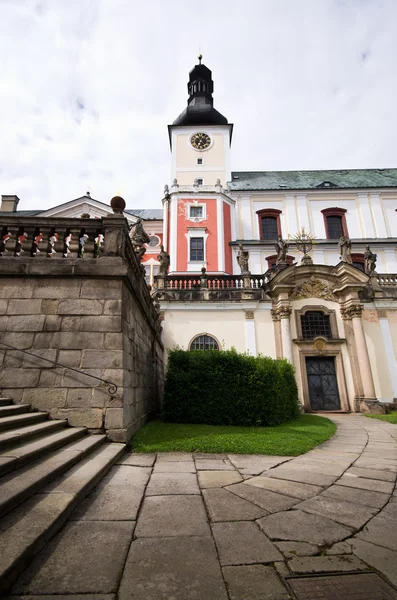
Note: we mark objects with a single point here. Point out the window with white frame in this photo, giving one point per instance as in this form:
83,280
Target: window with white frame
196,211
196,249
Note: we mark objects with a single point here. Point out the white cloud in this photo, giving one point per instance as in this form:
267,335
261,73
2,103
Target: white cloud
88,87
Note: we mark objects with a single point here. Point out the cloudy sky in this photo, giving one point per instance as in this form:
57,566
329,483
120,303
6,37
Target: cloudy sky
88,87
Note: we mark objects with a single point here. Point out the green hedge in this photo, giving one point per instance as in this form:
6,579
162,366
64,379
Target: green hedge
227,388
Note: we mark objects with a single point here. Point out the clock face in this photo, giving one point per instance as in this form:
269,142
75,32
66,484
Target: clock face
200,141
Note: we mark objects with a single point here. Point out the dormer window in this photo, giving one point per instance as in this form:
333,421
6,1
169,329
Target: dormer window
335,223
269,223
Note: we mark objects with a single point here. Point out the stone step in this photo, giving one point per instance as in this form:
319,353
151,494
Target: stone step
21,434
22,420
18,486
14,409
30,450
27,529
6,401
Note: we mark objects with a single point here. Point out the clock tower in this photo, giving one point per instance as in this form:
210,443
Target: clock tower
199,213
200,137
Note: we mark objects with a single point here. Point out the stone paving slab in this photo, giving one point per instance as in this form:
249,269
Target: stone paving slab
302,476
254,464
291,549
329,468
162,516
180,568
347,513
172,483
217,479
270,501
366,484
254,582
243,544
382,559
137,460
302,491
171,456
339,548
213,465
74,562
372,474
296,525
382,532
355,495
224,506
175,467
326,564
127,475
112,503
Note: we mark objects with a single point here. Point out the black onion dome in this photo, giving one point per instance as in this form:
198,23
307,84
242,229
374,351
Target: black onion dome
200,109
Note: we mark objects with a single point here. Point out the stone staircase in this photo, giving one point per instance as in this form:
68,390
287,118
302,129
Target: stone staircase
46,469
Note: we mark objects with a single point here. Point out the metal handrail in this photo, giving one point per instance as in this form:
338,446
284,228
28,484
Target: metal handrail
112,387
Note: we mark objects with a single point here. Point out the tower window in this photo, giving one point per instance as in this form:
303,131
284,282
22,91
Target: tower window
204,342
197,249
269,223
199,161
314,323
199,181
195,212
335,223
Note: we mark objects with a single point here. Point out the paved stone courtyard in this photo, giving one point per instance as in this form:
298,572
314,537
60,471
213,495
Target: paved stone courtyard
218,527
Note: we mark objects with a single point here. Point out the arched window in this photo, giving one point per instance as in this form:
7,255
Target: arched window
204,342
269,223
335,223
314,323
358,261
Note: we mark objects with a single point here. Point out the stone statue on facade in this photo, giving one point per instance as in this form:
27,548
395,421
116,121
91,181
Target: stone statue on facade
281,249
345,249
369,261
139,238
242,260
164,260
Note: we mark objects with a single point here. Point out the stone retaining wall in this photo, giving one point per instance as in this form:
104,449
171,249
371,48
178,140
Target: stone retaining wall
97,316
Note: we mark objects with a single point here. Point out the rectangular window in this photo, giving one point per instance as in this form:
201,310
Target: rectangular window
335,227
197,249
199,161
199,181
196,211
269,228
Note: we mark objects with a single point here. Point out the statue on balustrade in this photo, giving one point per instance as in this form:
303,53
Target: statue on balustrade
345,249
242,260
281,249
139,238
369,261
164,260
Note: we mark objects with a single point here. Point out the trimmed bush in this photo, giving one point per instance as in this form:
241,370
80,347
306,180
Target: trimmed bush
227,388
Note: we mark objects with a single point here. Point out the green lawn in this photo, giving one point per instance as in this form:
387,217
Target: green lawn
290,439
390,418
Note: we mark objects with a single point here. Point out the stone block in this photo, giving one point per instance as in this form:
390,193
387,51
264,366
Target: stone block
12,289
26,323
74,562
175,467
118,435
115,376
43,340
65,340
102,359
19,378
137,460
70,358
224,506
185,515
102,399
101,323
172,483
75,379
347,513
70,323
24,307
291,549
33,362
243,543
100,288
270,501
3,307
13,358
49,307
80,307
180,568
285,487
114,418
3,323
45,399
24,341
56,288
52,323
91,418
78,398
254,582
50,378
113,341
218,479
112,307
